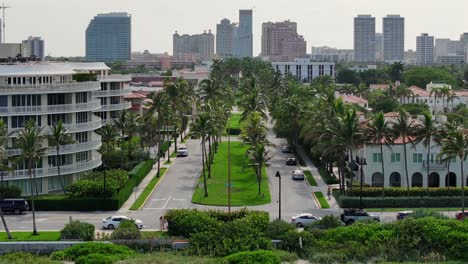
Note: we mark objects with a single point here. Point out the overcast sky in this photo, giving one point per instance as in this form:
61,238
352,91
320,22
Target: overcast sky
62,23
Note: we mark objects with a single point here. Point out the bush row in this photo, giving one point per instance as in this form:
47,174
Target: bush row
326,176
399,202
233,131
93,253
78,230
10,191
135,177
403,192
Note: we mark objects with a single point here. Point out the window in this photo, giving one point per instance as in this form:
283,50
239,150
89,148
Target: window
81,117
53,161
20,121
3,100
81,97
417,157
376,157
395,157
81,137
26,100
55,99
82,156
115,100
55,118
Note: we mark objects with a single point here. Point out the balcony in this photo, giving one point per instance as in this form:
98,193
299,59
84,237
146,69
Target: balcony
51,109
434,165
115,107
106,93
72,87
92,125
115,78
52,171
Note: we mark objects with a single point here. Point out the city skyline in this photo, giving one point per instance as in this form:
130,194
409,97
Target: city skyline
68,37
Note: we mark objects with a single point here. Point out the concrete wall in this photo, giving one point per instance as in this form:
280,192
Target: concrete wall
38,247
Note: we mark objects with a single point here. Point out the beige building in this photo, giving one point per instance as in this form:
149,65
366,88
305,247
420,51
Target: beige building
199,46
281,42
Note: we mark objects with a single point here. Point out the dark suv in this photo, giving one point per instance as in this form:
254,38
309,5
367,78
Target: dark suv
16,206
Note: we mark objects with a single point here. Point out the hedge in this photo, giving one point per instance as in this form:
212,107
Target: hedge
326,176
135,177
254,257
233,131
403,192
399,202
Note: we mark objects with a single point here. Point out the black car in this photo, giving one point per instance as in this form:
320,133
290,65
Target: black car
16,206
403,214
291,162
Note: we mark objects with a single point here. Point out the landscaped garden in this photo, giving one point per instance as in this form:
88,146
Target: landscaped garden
234,125
244,187
147,191
27,236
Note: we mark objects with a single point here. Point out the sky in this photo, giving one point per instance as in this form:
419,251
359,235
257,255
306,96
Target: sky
62,23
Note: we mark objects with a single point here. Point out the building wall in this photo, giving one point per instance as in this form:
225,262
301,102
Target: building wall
364,38
200,45
244,34
424,49
304,69
280,41
224,38
393,38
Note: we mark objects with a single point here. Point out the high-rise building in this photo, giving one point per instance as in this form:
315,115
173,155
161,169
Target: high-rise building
280,41
34,47
224,38
393,38
198,47
364,38
379,46
425,49
243,35
109,37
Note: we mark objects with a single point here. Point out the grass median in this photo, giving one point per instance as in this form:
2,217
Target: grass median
27,236
147,191
244,186
322,200
310,178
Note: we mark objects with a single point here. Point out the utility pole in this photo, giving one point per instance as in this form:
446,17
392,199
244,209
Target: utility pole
3,7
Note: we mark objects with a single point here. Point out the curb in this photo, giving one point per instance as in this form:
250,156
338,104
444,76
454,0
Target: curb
316,201
149,195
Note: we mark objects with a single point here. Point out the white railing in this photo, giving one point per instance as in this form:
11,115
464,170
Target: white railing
107,121
93,144
119,92
115,78
49,87
116,107
92,125
50,109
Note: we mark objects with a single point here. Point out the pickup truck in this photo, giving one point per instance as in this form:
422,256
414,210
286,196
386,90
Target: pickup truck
349,216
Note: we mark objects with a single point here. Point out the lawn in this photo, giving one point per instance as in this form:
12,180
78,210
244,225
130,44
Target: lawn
322,200
169,258
27,236
147,191
244,186
154,234
234,120
310,178
174,155
167,162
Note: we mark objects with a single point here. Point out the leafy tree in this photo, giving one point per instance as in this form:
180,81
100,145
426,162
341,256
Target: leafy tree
348,76
379,131
259,157
384,102
395,71
3,157
421,76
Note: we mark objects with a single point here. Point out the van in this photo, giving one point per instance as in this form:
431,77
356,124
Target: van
16,206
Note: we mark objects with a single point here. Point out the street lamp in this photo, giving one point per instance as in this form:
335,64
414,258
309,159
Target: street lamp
279,201
361,162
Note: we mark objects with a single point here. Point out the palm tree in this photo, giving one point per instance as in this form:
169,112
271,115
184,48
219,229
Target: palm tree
259,158
30,141
133,124
426,132
253,99
108,135
59,137
445,92
176,92
403,92
436,93
122,123
402,128
200,129
378,131
3,139
456,144
210,90
254,130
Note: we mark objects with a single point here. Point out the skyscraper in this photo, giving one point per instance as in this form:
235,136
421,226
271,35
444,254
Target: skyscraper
34,47
224,38
281,42
196,47
393,38
424,49
379,46
364,38
243,36
109,37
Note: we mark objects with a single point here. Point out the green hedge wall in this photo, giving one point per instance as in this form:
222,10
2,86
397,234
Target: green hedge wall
135,177
233,131
399,202
403,192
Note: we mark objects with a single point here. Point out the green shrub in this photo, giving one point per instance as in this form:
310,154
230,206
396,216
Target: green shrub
423,212
10,191
85,249
183,222
225,216
254,257
290,241
78,230
25,258
89,188
403,192
286,256
327,222
326,176
135,177
75,204
398,202
278,228
233,131
96,258
116,178
126,230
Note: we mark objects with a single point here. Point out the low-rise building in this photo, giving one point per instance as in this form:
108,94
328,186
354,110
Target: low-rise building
305,70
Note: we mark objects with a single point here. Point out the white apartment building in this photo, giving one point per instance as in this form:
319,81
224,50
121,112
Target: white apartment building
393,38
425,49
304,69
47,93
437,105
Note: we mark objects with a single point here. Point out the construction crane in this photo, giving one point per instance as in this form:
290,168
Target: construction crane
3,7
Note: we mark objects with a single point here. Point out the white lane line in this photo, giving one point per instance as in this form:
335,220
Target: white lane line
162,199
167,202
179,199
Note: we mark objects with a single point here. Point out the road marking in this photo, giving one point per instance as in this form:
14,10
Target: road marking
179,199
167,201
162,199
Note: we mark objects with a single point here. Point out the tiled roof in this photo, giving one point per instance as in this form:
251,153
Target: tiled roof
392,114
462,93
353,99
419,91
134,95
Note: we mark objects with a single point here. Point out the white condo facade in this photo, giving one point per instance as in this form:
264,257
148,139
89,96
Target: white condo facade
47,93
304,69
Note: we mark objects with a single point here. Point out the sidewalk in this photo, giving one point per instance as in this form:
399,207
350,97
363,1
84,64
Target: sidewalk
322,186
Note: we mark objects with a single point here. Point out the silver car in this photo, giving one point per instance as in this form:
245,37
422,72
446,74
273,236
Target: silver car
112,222
298,175
304,219
182,151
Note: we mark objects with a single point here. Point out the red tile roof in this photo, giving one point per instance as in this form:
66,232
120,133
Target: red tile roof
134,95
392,114
419,91
353,99
462,93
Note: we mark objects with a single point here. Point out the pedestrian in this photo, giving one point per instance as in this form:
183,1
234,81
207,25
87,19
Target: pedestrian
329,192
161,223
164,223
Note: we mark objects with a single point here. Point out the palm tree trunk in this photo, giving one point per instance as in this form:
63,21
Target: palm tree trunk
210,159
130,147
352,178
59,162
203,164
447,181
33,208
158,155
406,165
5,224
428,165
463,187
122,147
259,179
383,169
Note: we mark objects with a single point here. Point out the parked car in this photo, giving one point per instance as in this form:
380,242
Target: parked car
16,205
403,214
303,219
349,216
298,175
112,222
182,151
459,215
286,149
291,162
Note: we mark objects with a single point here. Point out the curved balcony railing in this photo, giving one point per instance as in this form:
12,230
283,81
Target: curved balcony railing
92,125
107,121
116,107
93,144
53,171
115,78
51,109
72,87
120,92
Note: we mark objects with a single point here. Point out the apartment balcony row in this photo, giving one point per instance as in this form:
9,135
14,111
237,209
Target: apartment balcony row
53,171
93,144
106,93
115,78
51,109
45,88
92,125
115,107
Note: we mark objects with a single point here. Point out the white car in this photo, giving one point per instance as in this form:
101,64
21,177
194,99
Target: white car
112,222
304,219
182,151
298,175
